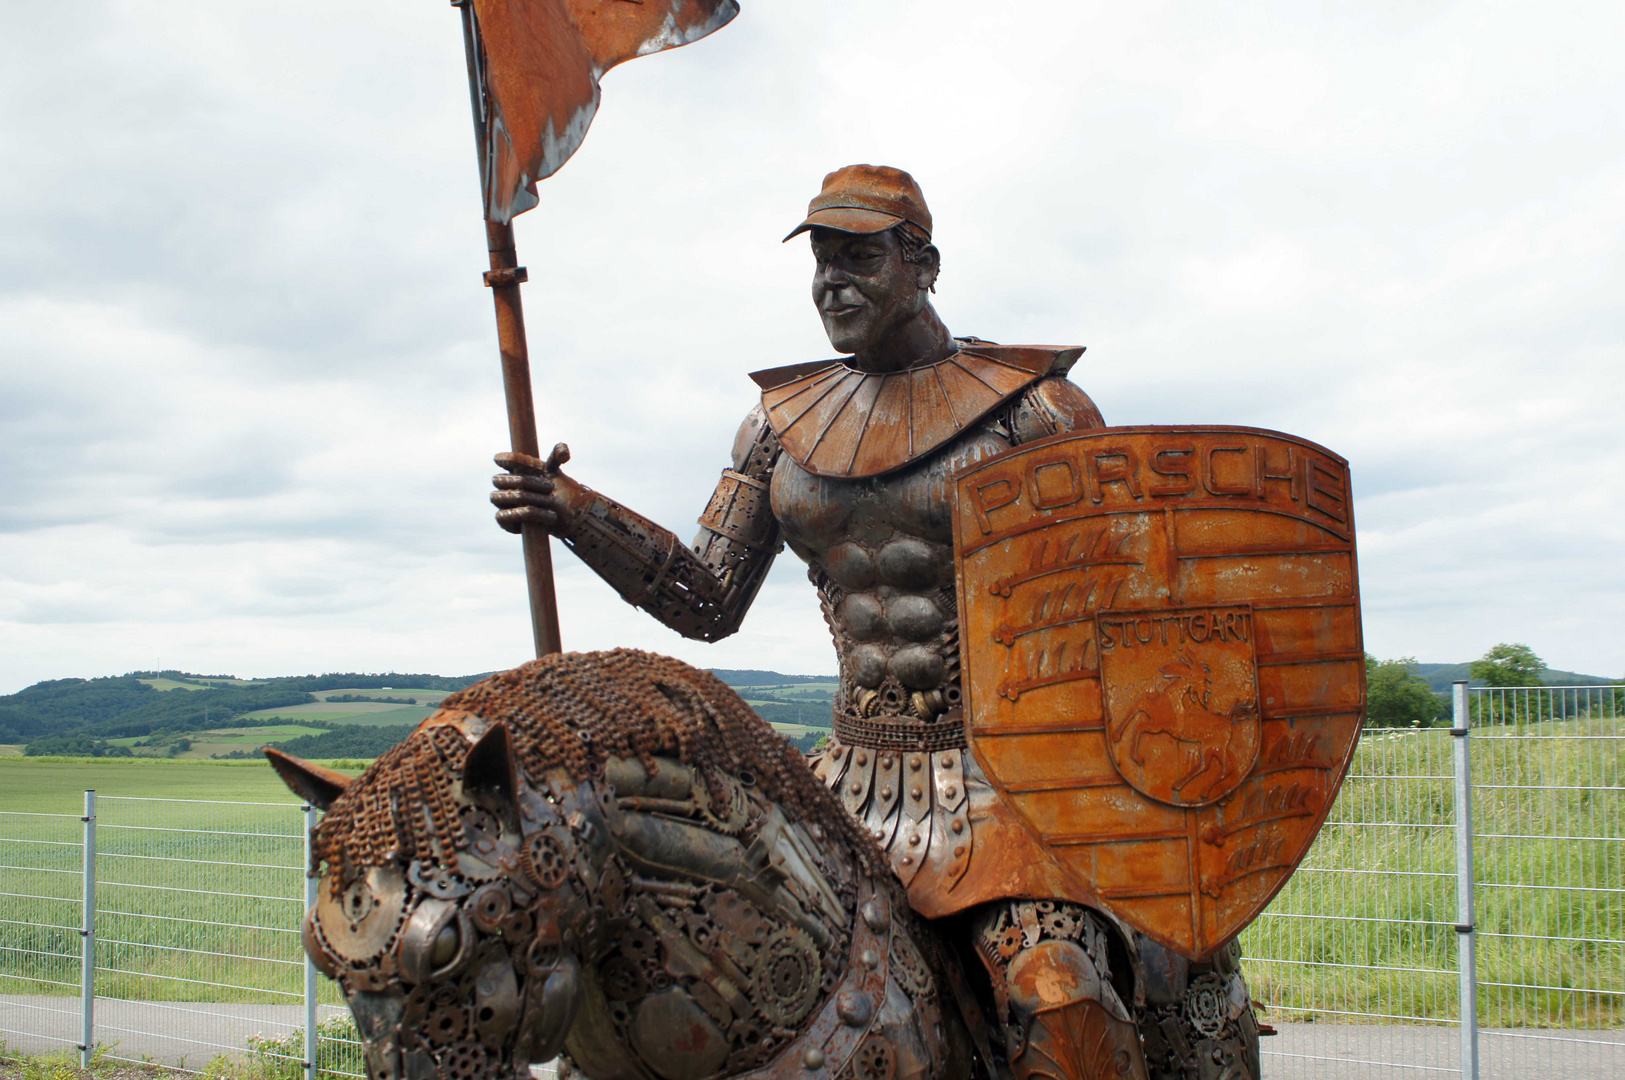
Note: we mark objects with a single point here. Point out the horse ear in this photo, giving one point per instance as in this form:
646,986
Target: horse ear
313,783
491,773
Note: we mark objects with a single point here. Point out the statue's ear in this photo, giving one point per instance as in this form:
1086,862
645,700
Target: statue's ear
491,774
314,784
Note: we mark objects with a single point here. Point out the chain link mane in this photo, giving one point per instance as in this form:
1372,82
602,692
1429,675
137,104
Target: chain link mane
571,711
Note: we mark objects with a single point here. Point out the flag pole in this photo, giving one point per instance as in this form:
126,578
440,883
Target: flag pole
504,279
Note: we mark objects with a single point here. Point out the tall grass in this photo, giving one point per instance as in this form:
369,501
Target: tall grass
1366,928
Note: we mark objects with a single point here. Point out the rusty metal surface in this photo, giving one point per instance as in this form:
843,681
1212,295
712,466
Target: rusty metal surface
837,421
539,62
490,899
504,279
1160,631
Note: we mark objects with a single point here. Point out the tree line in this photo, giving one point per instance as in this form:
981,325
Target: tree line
1398,697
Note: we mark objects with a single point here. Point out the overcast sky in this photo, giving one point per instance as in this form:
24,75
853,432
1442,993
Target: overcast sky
248,383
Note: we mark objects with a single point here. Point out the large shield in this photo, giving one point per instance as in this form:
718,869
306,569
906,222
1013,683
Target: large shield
1160,635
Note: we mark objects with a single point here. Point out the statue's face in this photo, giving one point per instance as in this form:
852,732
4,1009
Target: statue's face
863,287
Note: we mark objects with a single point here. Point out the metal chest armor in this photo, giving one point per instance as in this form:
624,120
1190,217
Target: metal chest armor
855,470
879,548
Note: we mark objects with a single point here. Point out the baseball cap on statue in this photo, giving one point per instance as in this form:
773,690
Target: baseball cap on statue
866,199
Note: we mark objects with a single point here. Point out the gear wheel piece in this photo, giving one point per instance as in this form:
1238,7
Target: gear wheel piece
546,860
445,1024
621,979
1206,1006
1007,942
641,945
1064,922
787,978
876,1059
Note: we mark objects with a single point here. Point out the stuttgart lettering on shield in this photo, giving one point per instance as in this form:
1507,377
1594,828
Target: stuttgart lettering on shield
1181,693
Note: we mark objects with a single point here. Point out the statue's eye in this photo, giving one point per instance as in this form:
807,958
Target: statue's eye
445,946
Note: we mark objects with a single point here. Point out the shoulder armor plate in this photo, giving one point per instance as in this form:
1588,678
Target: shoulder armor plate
836,421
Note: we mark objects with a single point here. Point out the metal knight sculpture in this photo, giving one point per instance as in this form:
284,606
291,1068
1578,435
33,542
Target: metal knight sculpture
1099,687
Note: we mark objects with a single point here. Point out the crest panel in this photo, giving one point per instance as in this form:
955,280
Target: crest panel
1164,671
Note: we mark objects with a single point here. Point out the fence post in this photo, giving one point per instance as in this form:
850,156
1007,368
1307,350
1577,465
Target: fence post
1466,938
311,985
87,934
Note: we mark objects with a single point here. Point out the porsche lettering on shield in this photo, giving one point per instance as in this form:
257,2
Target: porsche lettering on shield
1164,673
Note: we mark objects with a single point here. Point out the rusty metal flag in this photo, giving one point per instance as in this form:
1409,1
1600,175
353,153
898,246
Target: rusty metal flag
534,67
1165,675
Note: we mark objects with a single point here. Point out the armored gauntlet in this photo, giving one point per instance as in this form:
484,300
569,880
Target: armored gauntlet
701,591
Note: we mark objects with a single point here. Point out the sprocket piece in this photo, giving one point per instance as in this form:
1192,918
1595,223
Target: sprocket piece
621,979
546,859
446,1023
1206,1006
1064,922
465,1061
787,978
360,922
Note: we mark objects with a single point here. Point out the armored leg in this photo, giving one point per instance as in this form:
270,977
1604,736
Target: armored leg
1062,1017
1198,1021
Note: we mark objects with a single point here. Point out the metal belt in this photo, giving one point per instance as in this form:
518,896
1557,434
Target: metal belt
902,733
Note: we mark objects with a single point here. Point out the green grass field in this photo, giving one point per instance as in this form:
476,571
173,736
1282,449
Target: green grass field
56,786
368,713
172,684
422,697
1365,927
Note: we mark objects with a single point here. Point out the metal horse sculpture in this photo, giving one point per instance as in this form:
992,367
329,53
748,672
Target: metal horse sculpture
610,857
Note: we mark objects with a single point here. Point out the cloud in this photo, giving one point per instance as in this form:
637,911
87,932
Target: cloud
248,384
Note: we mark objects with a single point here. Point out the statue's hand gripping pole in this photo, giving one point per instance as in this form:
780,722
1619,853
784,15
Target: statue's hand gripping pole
504,279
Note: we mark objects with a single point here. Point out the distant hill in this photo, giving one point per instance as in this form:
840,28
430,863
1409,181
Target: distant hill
753,677
1440,676
146,703
163,713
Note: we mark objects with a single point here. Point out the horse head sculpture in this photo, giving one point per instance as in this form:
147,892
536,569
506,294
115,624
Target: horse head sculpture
609,856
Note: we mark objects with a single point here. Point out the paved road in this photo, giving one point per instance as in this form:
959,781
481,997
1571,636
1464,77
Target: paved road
173,1033
190,1034
1418,1052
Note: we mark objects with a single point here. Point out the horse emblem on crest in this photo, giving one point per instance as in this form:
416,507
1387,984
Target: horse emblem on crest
1181,696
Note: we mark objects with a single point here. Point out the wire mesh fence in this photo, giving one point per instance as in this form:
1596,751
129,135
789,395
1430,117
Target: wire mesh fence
195,951
1358,962
197,930
41,912
1364,932
1549,811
